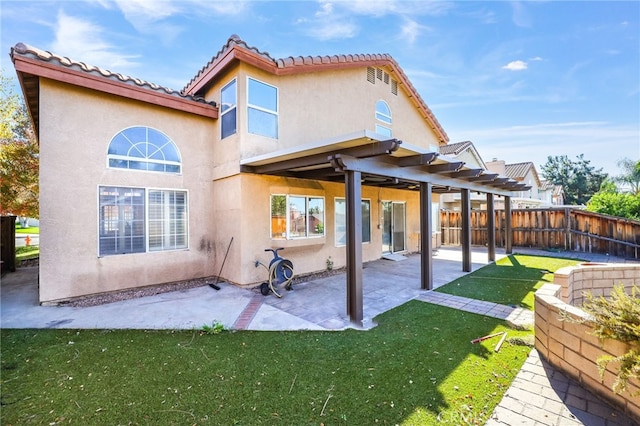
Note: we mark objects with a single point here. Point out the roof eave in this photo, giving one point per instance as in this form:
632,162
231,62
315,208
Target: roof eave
234,54
29,66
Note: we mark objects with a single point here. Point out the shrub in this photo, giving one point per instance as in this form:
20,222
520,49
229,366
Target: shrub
618,317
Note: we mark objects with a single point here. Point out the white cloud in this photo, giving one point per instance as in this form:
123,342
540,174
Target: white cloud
84,41
520,16
515,66
146,10
411,30
326,24
328,30
336,19
150,17
387,7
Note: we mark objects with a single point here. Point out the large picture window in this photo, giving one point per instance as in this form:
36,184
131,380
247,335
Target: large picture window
341,221
262,109
296,216
228,109
144,148
136,220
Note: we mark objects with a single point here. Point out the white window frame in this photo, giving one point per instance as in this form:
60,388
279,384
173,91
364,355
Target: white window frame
308,235
233,109
146,159
263,109
166,236
146,191
335,222
382,117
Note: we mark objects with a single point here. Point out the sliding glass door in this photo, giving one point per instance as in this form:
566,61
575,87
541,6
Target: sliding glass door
393,226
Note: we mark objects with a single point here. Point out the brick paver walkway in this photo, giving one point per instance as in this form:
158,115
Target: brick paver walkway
539,395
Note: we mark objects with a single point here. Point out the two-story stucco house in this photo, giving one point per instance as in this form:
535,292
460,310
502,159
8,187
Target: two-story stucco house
142,185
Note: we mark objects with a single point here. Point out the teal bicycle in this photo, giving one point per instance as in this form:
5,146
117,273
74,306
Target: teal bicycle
280,272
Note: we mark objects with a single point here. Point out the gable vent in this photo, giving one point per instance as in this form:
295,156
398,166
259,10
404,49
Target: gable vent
379,72
371,75
394,87
386,78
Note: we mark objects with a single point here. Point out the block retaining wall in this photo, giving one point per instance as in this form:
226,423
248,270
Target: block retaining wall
568,345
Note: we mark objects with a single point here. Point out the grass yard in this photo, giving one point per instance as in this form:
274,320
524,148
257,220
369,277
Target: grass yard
512,280
416,367
29,230
26,253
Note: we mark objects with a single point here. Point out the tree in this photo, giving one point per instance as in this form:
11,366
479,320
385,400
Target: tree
630,175
615,204
578,178
19,161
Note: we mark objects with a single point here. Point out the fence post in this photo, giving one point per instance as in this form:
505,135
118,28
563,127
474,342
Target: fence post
567,229
508,230
491,228
8,243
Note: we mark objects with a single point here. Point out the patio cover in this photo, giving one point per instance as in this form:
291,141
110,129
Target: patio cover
366,158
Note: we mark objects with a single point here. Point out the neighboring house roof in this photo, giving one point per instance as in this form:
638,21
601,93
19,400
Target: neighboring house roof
238,50
457,148
545,185
32,63
558,190
518,171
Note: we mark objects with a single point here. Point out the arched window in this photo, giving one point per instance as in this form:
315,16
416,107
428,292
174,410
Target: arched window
383,115
144,148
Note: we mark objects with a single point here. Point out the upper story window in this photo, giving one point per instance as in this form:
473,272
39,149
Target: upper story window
228,113
144,148
262,109
383,115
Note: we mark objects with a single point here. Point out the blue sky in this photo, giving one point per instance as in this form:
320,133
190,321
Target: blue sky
521,80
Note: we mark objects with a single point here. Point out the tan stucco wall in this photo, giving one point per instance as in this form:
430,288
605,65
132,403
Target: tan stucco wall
247,221
314,107
76,126
227,210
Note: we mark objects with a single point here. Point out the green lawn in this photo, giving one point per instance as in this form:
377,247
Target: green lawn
416,367
29,230
27,252
511,280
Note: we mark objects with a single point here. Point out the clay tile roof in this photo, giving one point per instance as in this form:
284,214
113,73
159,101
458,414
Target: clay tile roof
303,64
43,55
233,41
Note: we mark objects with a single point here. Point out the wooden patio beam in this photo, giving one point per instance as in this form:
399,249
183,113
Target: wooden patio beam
363,151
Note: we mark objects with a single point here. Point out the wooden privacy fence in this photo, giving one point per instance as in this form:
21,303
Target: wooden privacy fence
553,228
